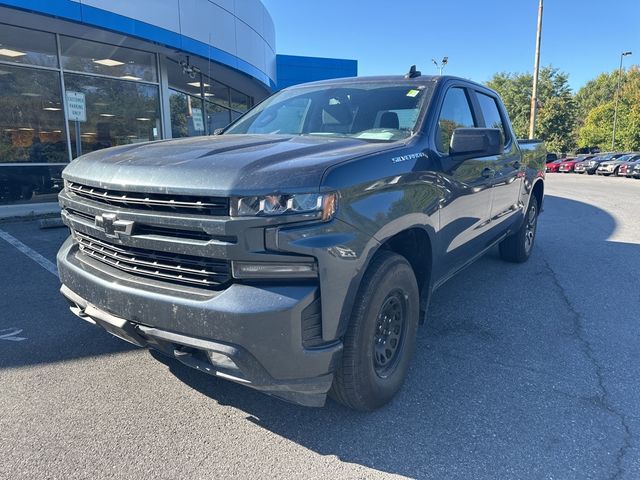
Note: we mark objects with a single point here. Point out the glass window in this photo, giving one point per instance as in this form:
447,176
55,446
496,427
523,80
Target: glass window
187,118
361,110
217,116
93,57
31,117
239,101
117,112
455,113
28,47
180,79
491,113
216,92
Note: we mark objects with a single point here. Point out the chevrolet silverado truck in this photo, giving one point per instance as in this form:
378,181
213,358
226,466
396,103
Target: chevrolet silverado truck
296,251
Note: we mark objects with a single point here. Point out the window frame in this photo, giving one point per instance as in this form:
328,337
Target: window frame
508,135
471,100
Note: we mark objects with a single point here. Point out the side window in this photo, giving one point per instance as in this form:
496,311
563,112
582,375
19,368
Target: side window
491,113
455,113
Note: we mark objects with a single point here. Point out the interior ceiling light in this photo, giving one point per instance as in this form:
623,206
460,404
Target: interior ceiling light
143,119
26,129
29,94
207,94
197,84
130,77
108,62
6,52
107,115
52,109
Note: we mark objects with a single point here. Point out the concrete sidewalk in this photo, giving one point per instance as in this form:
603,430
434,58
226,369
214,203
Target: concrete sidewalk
29,210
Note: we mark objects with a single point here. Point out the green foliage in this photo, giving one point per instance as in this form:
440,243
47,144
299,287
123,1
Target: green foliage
585,119
556,107
597,99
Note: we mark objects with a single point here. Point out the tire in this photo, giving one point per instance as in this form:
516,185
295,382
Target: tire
517,247
386,310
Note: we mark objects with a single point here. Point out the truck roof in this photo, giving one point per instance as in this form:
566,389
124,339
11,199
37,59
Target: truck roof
422,79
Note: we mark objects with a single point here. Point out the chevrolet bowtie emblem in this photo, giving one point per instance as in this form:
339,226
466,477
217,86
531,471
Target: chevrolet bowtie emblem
112,226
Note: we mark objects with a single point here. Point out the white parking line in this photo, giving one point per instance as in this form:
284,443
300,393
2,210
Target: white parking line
29,252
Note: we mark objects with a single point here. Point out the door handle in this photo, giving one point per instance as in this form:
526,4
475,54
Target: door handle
488,172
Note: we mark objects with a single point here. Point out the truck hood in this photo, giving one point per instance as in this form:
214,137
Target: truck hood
220,165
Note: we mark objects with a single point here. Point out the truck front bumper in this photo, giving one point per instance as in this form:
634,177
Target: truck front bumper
250,334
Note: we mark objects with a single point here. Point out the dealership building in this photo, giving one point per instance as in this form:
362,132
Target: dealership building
81,75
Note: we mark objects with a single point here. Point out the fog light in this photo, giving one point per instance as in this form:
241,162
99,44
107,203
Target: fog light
222,361
273,270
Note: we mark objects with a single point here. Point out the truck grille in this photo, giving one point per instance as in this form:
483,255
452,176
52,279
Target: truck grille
171,267
218,206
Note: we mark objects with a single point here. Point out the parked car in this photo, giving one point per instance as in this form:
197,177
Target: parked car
636,170
629,162
551,157
611,165
582,165
568,165
553,167
591,166
297,253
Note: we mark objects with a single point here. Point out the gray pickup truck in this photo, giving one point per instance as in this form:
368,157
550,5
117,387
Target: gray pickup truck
297,251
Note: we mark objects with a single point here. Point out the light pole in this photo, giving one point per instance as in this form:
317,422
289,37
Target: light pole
536,71
442,64
615,110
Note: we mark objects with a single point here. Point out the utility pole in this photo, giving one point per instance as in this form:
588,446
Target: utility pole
536,70
615,110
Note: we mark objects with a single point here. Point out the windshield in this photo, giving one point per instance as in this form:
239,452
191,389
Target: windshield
368,111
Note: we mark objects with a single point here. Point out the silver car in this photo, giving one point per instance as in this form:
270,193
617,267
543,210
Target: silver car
611,166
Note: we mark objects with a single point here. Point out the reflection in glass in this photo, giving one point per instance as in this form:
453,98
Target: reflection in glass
217,116
93,57
32,138
187,119
239,101
28,47
31,117
118,113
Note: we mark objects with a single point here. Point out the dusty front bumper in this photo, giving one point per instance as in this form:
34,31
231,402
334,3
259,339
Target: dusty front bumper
258,328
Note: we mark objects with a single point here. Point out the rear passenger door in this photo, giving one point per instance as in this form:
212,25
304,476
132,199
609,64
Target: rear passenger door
466,184
507,179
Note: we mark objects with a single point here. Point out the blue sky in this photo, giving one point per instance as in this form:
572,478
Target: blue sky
582,38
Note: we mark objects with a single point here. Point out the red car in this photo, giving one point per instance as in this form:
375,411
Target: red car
552,167
568,165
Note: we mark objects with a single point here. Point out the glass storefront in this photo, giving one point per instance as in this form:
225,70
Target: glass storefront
199,104
118,112
112,96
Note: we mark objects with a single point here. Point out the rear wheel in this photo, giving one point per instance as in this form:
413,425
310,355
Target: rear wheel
517,246
381,336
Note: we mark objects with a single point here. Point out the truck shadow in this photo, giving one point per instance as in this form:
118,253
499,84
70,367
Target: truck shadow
500,385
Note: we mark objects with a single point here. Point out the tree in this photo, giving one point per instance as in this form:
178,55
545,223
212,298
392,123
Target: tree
597,126
556,108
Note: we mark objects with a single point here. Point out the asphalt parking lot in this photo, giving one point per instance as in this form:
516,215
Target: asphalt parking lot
523,371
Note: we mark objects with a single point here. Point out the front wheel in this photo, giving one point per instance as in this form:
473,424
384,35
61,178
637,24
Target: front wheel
517,246
381,336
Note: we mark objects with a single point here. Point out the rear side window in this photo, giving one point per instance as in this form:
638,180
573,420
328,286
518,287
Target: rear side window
455,113
491,113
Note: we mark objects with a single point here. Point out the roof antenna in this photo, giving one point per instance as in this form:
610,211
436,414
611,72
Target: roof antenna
413,73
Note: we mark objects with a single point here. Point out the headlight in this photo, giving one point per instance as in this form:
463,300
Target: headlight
268,205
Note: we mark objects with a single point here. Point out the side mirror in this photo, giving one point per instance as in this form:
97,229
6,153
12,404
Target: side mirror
476,142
